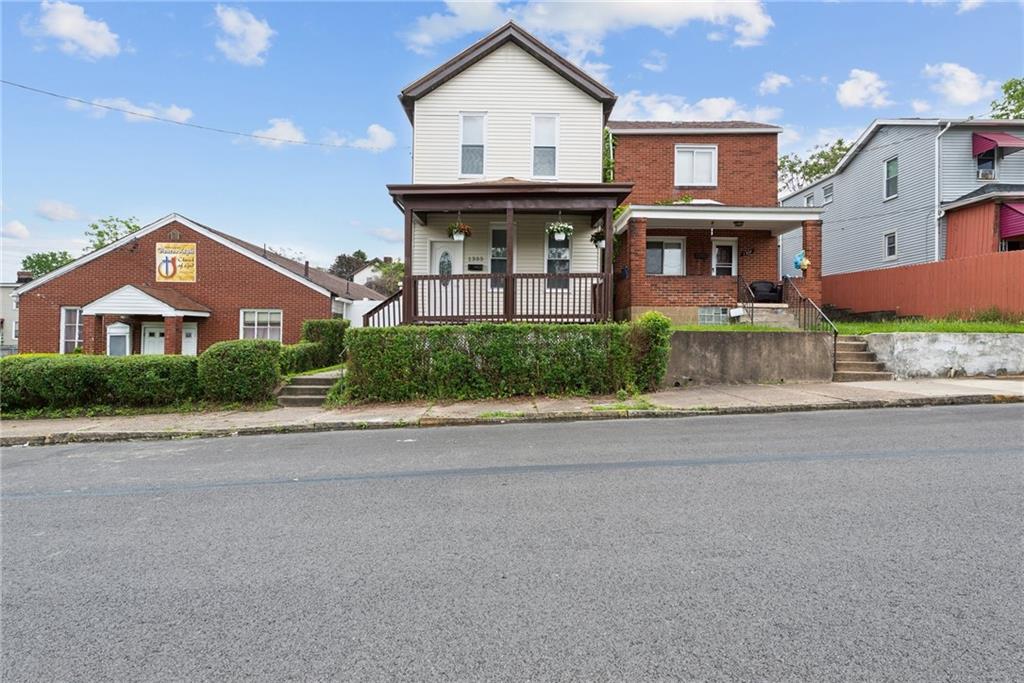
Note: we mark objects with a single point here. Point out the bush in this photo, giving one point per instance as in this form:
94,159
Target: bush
330,333
302,357
244,370
73,380
494,360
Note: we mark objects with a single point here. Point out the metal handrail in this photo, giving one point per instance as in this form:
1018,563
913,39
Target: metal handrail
745,297
808,315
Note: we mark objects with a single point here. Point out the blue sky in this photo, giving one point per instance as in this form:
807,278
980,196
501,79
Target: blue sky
330,72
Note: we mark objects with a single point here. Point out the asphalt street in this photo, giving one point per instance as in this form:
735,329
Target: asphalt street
870,544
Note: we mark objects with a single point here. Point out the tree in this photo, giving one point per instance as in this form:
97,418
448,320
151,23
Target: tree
390,279
43,262
110,229
345,265
795,172
1012,104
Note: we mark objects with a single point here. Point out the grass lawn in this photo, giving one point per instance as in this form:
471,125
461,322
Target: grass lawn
735,327
928,326
121,411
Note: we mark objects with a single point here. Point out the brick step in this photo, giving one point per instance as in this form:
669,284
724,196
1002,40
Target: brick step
859,366
312,381
854,356
300,401
861,376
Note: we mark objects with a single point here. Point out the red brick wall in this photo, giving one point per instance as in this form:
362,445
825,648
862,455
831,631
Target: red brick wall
747,168
226,282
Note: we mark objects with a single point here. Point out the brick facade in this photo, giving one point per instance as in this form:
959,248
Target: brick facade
226,282
747,168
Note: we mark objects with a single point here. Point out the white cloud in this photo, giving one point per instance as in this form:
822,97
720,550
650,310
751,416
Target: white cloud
378,138
388,234
863,89
53,210
333,138
76,33
920,106
15,230
244,38
969,5
772,83
135,113
716,36
959,85
283,132
578,29
789,138
635,105
657,61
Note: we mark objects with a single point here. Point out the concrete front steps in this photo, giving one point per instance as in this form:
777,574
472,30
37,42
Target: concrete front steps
773,315
305,391
854,363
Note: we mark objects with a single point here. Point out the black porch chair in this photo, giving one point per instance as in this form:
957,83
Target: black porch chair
766,292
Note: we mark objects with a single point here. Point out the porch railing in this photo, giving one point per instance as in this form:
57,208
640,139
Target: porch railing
387,313
745,298
807,314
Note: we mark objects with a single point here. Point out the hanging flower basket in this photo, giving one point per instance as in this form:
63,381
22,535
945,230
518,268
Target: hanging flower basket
560,230
459,231
597,237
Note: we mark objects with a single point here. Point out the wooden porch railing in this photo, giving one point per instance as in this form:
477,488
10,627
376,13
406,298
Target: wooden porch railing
387,313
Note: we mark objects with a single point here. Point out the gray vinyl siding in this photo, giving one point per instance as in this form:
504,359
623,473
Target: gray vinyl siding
855,222
960,168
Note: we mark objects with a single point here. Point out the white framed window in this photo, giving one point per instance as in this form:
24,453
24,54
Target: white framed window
472,133
827,191
557,259
545,146
260,323
890,245
666,257
70,328
498,254
987,165
14,334
892,178
809,200
696,166
724,259
119,340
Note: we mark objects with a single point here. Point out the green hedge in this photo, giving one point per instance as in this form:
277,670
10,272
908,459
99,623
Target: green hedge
74,380
494,360
242,370
302,357
329,332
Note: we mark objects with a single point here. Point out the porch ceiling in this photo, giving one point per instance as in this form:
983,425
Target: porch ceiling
777,220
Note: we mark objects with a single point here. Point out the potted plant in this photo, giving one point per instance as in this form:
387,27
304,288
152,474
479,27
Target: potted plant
459,231
597,237
560,230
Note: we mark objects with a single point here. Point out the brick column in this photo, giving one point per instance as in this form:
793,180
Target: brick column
94,334
172,335
636,262
810,285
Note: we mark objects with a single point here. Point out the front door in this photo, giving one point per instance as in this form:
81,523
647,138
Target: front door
152,339
189,339
442,298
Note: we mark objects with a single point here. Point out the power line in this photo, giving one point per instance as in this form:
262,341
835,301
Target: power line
154,117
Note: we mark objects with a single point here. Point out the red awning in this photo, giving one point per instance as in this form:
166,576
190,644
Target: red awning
1011,220
983,142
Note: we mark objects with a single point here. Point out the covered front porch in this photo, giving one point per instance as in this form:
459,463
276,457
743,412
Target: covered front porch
509,267
137,319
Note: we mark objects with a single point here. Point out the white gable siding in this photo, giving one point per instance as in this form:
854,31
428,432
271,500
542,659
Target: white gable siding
510,86
960,168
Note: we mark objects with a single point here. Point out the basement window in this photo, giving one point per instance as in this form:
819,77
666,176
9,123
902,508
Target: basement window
712,315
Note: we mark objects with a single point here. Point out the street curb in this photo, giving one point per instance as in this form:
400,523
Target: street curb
564,416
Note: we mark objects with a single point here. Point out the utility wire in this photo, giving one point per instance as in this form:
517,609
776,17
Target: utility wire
162,119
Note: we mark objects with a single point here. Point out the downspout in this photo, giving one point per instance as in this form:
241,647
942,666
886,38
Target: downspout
939,213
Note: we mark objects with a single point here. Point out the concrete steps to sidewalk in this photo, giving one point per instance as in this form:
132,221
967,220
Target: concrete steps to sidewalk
305,391
772,315
854,363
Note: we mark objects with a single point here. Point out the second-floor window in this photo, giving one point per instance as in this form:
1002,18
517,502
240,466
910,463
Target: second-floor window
892,177
471,139
987,165
827,191
696,165
545,145
809,200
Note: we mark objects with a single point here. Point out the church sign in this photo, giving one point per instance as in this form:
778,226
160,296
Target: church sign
175,261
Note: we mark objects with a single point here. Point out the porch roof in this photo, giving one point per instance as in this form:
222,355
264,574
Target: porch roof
777,219
142,300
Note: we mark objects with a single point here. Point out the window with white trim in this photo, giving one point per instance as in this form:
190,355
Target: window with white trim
499,256
545,145
987,165
809,200
70,328
892,177
260,323
696,165
890,245
666,257
119,339
827,191
14,335
472,128
556,261
723,256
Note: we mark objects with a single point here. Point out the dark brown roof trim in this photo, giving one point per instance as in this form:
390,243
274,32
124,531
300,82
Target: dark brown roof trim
510,32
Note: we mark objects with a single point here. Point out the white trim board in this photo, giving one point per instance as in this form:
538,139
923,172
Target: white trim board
727,214
130,300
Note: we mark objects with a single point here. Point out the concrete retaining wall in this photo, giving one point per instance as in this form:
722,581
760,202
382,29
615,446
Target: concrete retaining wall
749,358
936,354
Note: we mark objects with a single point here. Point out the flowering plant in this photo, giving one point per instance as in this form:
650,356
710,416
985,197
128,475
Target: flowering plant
459,228
559,228
597,237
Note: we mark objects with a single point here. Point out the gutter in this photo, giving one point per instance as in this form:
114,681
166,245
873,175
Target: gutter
939,211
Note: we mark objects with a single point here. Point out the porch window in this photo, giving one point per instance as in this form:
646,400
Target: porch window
471,139
892,177
261,324
545,146
666,257
70,329
499,257
723,257
557,258
987,165
119,339
696,165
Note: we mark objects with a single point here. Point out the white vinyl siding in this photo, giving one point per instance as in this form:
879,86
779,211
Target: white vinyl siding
696,166
260,323
545,146
70,329
511,86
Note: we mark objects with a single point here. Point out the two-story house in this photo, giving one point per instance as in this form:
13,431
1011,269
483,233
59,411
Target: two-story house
507,217
915,191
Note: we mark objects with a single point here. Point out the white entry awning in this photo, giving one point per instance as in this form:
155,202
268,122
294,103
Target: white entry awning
136,300
777,219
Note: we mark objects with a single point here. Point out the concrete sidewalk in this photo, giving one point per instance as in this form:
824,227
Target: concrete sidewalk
702,400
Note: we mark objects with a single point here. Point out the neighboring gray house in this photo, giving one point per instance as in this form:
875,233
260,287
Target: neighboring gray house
883,205
9,314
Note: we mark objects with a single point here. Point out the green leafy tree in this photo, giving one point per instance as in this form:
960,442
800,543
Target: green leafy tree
796,172
347,264
43,262
1012,104
110,229
608,157
390,279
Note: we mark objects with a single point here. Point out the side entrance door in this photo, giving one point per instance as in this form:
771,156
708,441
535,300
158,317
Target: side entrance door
152,339
443,298
189,339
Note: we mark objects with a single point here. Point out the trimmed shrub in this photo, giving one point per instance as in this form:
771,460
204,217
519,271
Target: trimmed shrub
651,341
331,333
73,380
243,370
303,356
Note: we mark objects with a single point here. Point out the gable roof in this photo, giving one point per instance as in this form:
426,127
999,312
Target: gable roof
509,33
987,191
288,267
141,300
663,127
